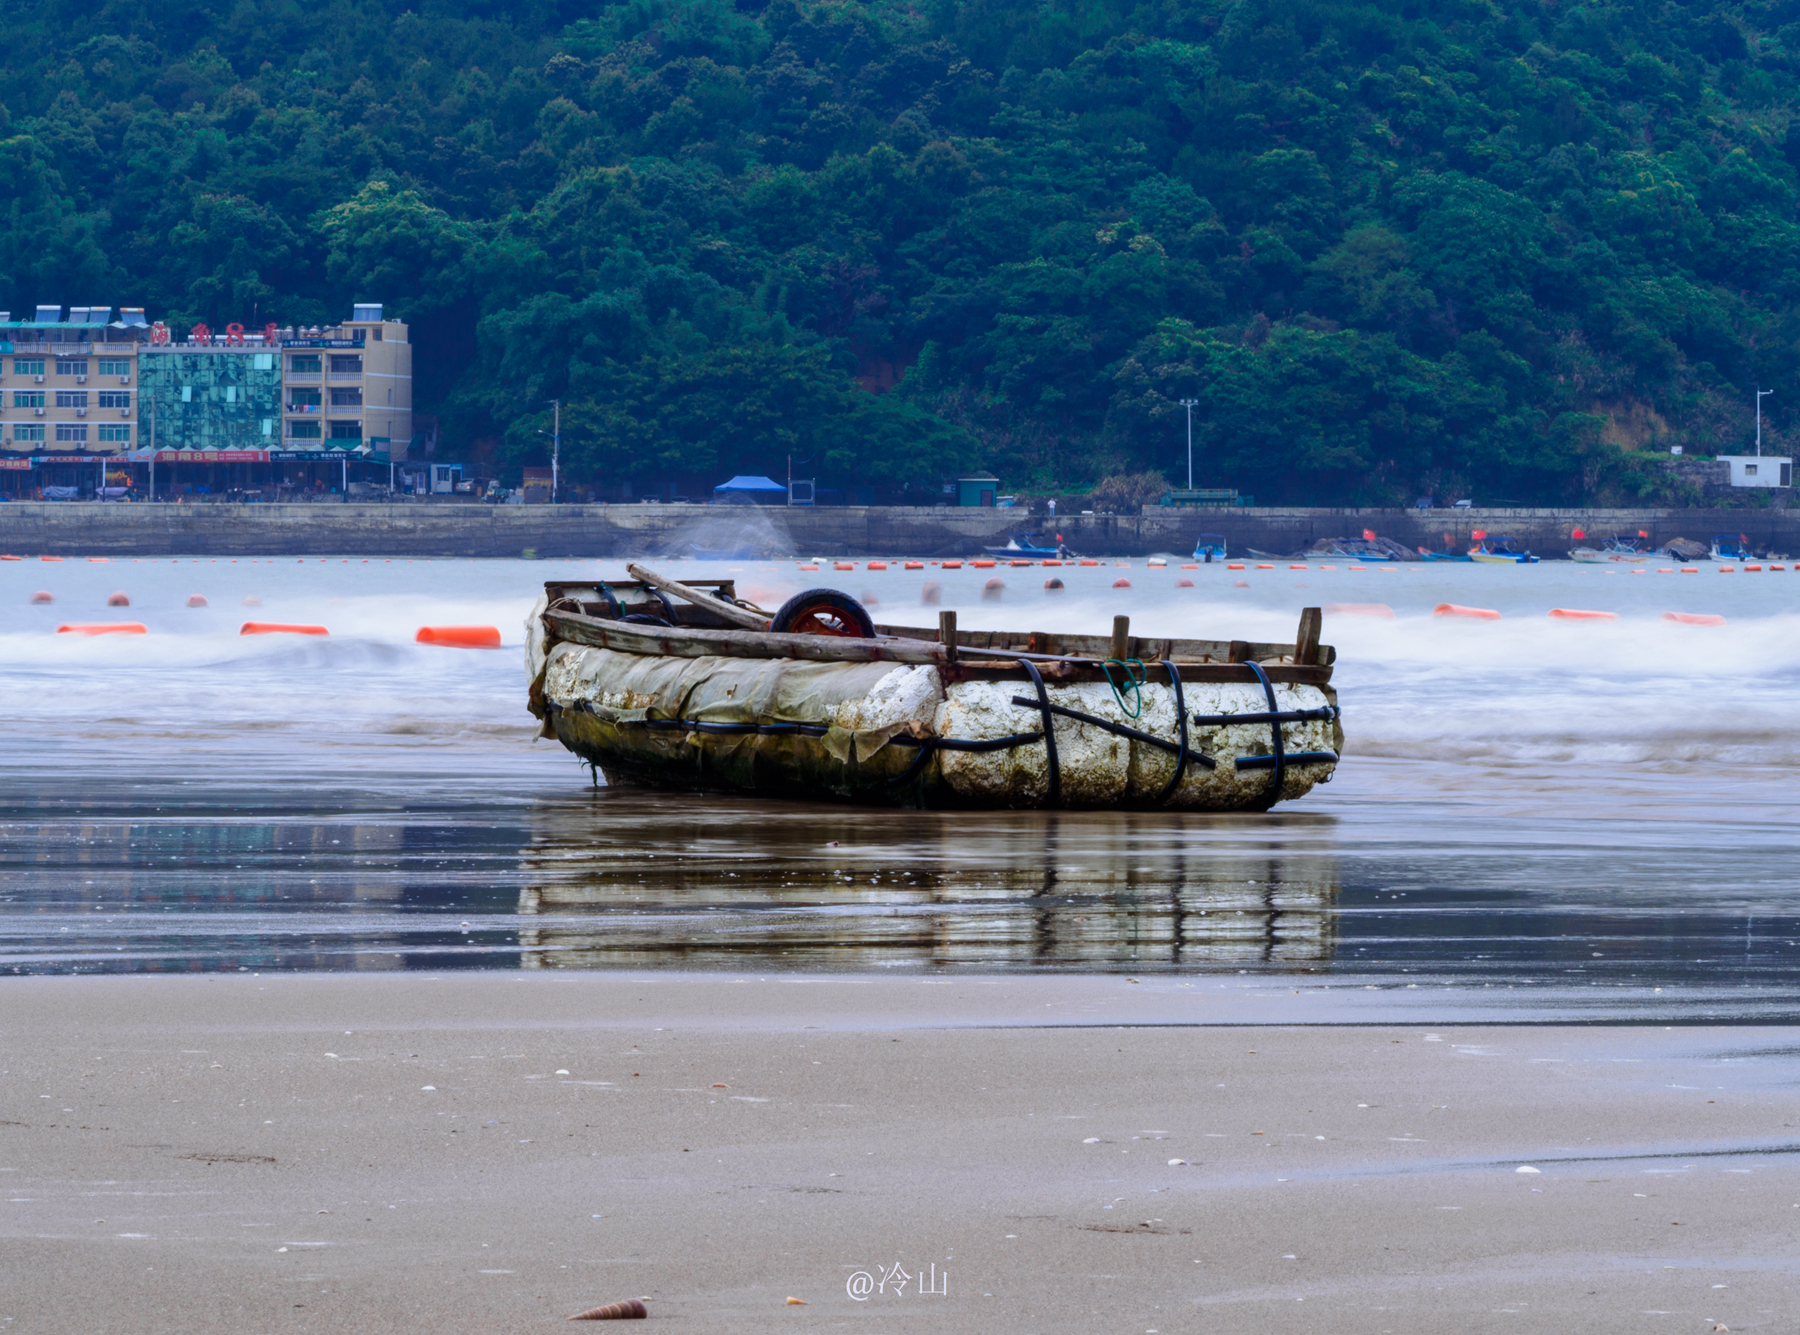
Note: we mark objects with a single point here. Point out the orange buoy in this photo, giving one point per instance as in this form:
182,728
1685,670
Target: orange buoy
118,600
1367,610
99,560
1296,567
460,637
1695,618
1264,565
49,558
11,558
1184,583
1576,614
1359,567
1455,610
1758,568
279,628
982,565
991,591
43,596
1234,566
1053,584
102,628
809,567
1052,561
196,600
1121,584
1018,563
843,565
951,565
876,565
915,565
1090,563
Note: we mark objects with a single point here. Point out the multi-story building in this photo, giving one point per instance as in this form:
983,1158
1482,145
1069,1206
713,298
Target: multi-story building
348,384
70,386
205,397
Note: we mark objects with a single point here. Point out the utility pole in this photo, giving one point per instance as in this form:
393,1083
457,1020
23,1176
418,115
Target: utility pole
790,495
152,437
1189,405
1760,395
555,444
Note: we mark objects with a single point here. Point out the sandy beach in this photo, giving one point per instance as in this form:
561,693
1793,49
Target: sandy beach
493,1152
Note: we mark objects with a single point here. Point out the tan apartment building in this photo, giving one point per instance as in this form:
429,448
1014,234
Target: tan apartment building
70,386
348,384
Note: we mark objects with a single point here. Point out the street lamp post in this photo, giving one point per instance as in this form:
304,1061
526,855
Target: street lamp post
555,434
1189,405
1761,394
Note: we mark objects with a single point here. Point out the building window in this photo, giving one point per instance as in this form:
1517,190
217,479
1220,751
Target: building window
28,398
71,398
1749,470
304,363
187,393
303,400
346,430
28,433
304,430
22,366
231,393
263,361
114,398
121,434
71,365
346,398
346,365
72,431
114,366
268,426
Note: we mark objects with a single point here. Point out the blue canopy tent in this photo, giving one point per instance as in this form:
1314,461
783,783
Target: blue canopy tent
749,491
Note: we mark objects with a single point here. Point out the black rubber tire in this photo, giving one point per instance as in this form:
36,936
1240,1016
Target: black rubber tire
840,605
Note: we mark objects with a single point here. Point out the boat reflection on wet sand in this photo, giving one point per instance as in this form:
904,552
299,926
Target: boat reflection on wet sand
859,889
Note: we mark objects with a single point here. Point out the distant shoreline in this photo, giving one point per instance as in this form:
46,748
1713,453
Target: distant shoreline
37,528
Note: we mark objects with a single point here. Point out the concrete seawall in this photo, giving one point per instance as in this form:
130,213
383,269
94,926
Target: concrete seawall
425,530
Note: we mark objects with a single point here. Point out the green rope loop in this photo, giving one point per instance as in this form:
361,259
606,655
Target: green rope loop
1135,677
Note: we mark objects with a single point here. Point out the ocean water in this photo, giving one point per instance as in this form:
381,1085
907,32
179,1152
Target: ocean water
1540,811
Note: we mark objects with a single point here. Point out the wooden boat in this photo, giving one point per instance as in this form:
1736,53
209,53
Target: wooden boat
685,686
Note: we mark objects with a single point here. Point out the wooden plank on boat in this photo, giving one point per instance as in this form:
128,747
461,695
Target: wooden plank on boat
731,612
1097,647
1063,672
697,642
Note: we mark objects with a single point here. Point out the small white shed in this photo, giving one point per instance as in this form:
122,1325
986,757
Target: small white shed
1753,470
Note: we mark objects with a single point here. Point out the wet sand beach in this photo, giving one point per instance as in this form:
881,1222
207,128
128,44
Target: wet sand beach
485,1152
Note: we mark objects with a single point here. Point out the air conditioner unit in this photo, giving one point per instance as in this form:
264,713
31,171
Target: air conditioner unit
124,412
81,412
38,378
124,380
81,380
40,412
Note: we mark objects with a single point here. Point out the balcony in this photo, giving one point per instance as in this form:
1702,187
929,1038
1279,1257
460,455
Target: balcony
352,377
302,377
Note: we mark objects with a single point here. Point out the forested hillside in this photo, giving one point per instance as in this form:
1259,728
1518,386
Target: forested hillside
1456,247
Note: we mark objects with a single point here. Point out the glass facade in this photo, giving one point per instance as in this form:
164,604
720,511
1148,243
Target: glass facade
222,399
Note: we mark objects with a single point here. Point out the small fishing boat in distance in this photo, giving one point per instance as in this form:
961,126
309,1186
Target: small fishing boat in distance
1210,547
1620,550
1501,551
1025,545
687,686
1731,547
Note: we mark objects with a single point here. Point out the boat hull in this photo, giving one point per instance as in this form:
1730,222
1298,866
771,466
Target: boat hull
868,733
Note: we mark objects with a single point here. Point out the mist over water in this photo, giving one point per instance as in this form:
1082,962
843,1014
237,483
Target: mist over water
1528,807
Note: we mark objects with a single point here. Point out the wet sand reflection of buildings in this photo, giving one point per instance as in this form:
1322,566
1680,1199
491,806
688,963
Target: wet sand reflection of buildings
707,883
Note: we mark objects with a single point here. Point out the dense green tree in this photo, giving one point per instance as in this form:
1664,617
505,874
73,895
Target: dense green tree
1391,249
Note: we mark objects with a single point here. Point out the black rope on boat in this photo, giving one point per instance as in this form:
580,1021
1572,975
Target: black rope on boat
1291,758
1120,730
1054,796
927,745
1278,758
1283,716
1181,756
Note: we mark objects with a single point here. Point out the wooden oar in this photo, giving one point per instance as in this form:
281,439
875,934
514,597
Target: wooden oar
730,611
